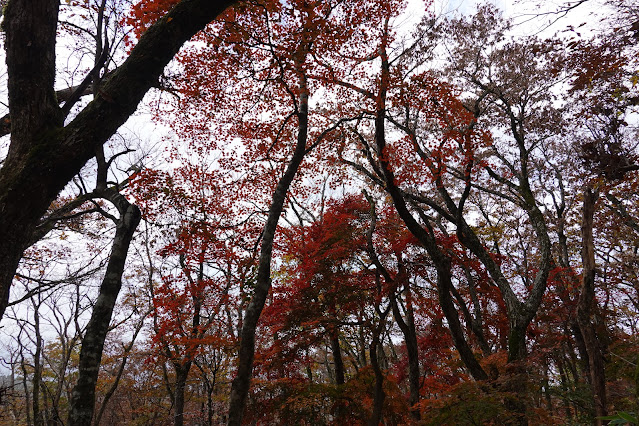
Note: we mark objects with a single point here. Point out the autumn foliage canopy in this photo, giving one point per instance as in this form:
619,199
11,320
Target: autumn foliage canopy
357,212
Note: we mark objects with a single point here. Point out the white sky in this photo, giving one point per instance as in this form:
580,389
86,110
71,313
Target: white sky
531,17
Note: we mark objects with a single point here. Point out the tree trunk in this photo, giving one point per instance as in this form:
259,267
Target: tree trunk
337,356
517,338
362,345
444,279
241,383
25,384
441,261
209,405
30,30
584,362
516,377
586,304
378,395
338,362
83,394
181,375
38,418
410,338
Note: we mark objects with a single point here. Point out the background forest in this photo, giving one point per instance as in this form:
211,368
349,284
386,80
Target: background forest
319,212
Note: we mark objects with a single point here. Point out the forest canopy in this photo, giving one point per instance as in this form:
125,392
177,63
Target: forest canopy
319,212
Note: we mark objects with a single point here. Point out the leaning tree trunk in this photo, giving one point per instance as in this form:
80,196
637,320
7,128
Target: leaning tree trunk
241,383
426,238
83,394
440,260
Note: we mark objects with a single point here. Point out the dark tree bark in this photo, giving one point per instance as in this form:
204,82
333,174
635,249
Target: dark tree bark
181,375
62,96
378,394
43,154
444,278
337,356
83,394
410,338
586,305
338,363
444,286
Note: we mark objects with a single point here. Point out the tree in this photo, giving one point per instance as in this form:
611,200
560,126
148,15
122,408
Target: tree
83,398
277,56
203,264
45,154
379,155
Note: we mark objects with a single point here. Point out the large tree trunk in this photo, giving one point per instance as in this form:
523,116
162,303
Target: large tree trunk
444,279
43,155
181,375
586,304
440,260
83,394
338,362
517,338
30,30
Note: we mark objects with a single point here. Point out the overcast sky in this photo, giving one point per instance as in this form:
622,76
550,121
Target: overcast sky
529,16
